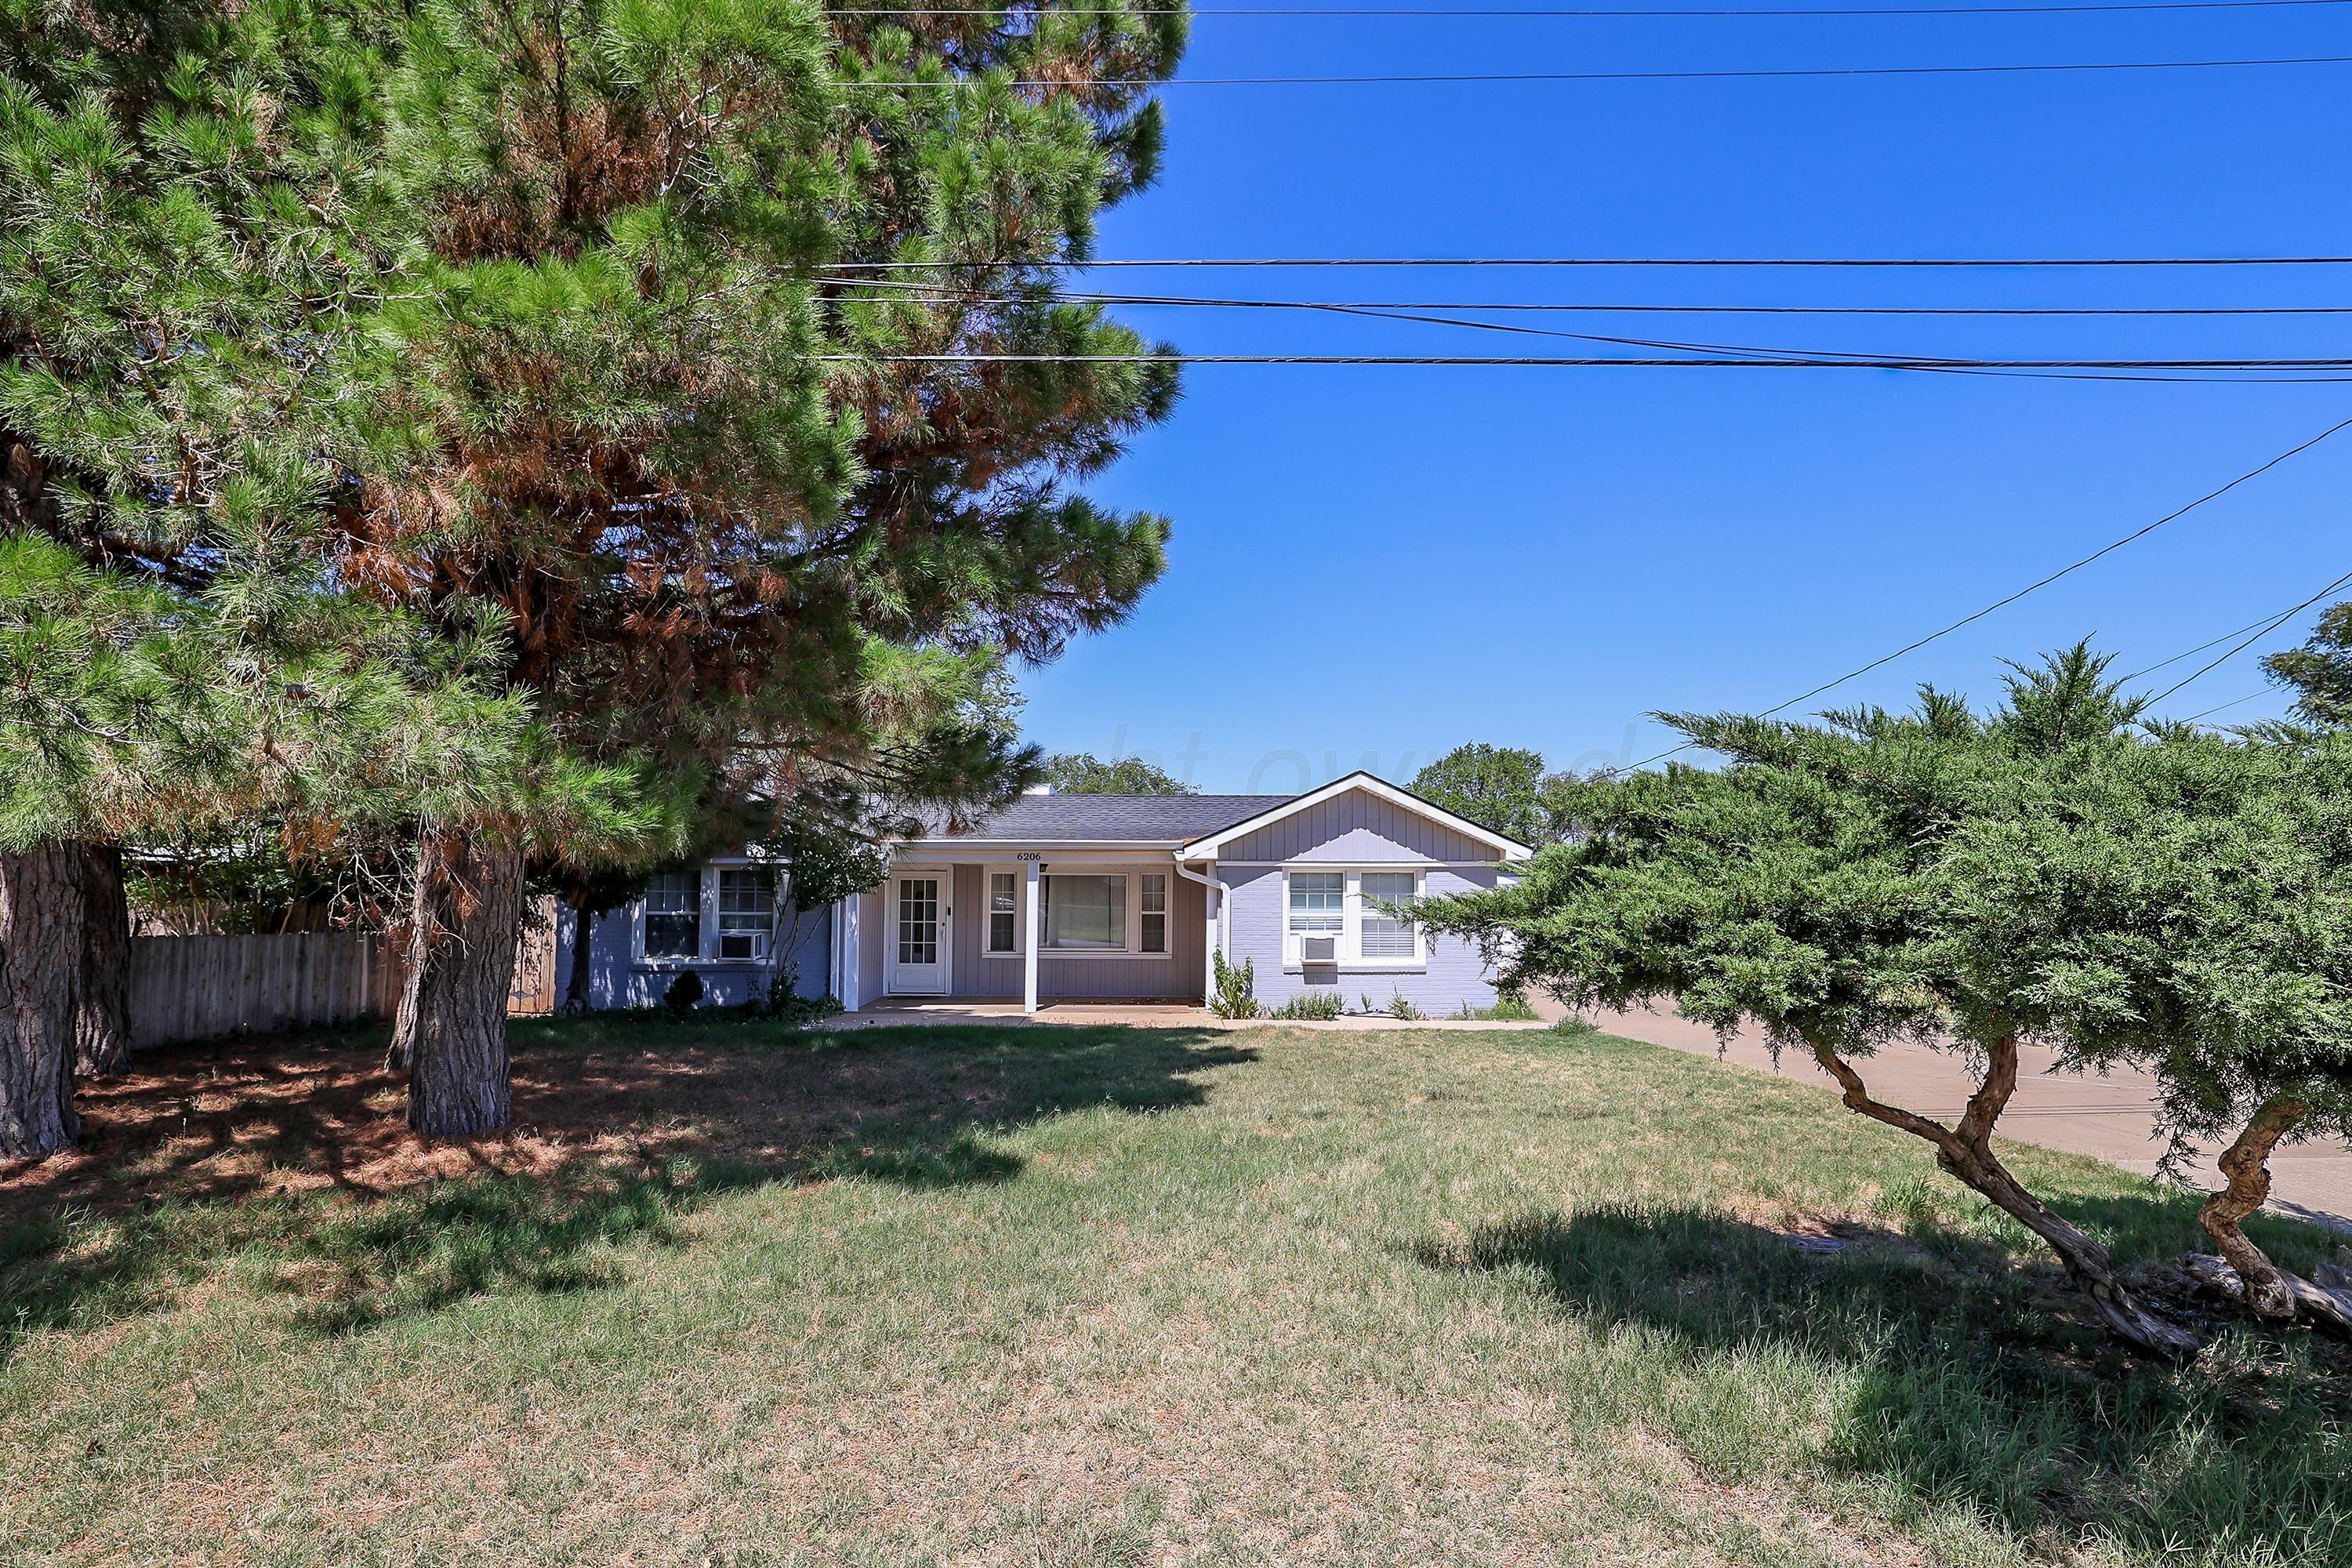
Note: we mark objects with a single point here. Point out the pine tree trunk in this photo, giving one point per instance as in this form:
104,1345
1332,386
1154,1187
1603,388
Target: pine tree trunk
103,1022
1966,1152
452,1028
40,975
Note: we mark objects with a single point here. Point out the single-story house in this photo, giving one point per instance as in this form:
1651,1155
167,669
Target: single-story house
1101,897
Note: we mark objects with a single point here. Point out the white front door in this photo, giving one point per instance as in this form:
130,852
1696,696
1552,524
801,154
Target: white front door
918,952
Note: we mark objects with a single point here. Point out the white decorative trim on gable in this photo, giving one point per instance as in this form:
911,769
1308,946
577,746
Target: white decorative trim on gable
1505,848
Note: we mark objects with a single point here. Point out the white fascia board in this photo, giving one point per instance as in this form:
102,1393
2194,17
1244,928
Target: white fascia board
1205,848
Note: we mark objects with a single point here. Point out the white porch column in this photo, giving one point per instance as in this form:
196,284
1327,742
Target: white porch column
1033,926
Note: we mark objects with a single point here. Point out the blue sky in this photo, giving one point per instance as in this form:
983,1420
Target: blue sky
1374,565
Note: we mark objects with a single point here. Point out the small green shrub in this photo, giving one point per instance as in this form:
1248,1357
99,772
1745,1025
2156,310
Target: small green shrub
685,993
1311,1005
1236,989
1576,1029
785,1004
1399,1004
1510,1007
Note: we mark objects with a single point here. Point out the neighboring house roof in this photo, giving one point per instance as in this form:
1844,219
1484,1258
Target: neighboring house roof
1198,824
1169,819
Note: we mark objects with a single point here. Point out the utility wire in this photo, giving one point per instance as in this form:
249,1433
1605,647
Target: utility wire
1613,361
2203,669
1546,12
935,293
2234,701
2036,586
999,263
2257,625
1759,74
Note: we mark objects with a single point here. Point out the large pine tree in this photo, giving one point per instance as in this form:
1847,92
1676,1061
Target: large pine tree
642,404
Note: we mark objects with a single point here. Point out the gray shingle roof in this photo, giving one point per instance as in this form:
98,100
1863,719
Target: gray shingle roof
1066,819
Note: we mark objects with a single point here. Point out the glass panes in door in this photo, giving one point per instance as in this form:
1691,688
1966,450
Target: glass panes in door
919,920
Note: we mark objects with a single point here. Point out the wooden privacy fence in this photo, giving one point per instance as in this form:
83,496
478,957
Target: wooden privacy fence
197,987
201,987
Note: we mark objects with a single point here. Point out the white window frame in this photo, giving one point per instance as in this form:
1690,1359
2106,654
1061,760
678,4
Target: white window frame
988,875
707,949
1352,919
1134,875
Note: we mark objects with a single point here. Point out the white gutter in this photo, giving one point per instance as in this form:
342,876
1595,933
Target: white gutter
1224,938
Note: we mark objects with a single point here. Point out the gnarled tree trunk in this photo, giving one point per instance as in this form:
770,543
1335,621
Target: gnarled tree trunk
40,976
1965,1151
2244,1272
102,1013
2245,1169
452,1027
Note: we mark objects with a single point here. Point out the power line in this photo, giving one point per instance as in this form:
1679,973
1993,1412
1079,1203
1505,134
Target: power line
2250,642
1493,78
931,293
999,263
1547,12
1816,361
2257,625
1774,351
2234,701
2036,586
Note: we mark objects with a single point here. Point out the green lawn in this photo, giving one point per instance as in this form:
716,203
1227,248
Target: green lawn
1097,1297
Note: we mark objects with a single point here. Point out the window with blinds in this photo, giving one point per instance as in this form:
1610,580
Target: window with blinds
1318,902
1381,935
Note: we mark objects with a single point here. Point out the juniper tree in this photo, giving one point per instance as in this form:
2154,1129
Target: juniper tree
1808,889
2186,902
640,404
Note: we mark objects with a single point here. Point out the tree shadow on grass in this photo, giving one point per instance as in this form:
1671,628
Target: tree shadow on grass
1959,1378
290,1158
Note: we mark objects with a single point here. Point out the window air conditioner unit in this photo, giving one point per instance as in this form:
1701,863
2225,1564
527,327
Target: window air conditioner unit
1319,949
752,944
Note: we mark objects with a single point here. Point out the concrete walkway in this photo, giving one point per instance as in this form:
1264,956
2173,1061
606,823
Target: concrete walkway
2110,1115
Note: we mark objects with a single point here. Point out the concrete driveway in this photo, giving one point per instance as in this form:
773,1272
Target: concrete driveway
2110,1115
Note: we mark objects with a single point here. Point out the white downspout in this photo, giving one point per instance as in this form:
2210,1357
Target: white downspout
1219,932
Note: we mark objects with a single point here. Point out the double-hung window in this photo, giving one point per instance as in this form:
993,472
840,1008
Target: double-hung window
1153,914
1003,912
1378,934
747,911
1318,902
674,915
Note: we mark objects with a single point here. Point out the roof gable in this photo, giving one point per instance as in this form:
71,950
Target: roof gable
1505,847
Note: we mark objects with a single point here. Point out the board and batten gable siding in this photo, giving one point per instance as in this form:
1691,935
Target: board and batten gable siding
1357,828
1456,974
1176,977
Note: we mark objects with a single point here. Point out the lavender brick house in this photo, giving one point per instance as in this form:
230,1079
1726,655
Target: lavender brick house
1102,897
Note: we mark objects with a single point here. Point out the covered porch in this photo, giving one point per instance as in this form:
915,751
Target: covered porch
1028,929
